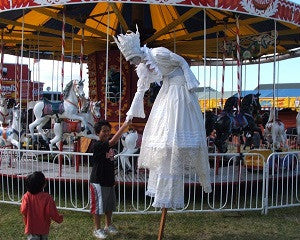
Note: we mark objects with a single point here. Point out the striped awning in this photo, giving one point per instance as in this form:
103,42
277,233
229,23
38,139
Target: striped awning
174,24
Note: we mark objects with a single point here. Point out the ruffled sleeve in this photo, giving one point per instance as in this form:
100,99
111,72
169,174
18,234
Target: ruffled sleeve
168,61
145,78
191,80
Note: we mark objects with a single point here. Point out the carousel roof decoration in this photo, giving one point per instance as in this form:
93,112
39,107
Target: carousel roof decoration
252,47
166,23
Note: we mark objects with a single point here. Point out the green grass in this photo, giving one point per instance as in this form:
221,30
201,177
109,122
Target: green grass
278,224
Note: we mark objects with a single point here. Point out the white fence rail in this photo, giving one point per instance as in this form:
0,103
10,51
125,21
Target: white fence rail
240,182
292,143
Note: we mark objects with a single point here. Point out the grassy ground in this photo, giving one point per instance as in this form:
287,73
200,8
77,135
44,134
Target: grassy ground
278,224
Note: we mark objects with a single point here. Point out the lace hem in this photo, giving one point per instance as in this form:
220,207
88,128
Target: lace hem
164,204
150,194
176,162
167,205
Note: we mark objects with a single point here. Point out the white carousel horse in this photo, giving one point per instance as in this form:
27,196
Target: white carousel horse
129,142
68,108
90,112
275,131
10,135
5,113
298,127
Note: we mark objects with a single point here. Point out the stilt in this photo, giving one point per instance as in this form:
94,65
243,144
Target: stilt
162,223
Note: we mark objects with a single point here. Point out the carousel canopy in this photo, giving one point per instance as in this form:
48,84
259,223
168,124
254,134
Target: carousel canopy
177,25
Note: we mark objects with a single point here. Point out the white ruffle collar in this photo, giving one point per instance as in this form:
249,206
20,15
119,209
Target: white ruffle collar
150,62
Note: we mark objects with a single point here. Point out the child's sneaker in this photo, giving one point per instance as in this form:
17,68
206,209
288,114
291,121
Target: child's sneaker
100,233
111,230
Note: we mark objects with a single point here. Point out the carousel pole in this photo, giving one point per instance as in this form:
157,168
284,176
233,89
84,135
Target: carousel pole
2,60
232,73
17,77
28,91
209,97
258,76
20,106
223,69
204,65
52,77
106,64
77,145
238,60
72,52
63,44
217,68
81,52
258,90
274,81
218,158
1,68
62,79
239,85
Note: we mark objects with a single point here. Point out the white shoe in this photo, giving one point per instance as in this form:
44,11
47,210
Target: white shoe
100,233
111,230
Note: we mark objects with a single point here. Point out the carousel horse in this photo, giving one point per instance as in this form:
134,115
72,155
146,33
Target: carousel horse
225,118
129,142
211,118
250,108
10,135
68,108
90,112
298,127
5,112
275,131
230,122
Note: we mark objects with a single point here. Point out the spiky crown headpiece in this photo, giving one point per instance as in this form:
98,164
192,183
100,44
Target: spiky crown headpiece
129,44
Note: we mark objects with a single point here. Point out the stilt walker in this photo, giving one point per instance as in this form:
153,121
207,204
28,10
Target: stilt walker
172,142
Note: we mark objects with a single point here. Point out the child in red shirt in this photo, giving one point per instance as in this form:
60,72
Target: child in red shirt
38,208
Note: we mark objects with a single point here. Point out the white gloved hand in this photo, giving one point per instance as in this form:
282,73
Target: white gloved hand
129,118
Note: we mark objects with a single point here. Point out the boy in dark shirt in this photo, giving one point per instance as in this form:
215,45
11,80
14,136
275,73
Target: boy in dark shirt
102,179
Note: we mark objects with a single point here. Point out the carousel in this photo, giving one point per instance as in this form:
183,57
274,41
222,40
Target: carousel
204,32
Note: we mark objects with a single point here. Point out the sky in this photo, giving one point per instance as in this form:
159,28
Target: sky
287,71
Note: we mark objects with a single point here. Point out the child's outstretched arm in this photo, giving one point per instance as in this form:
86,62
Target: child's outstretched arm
119,133
53,213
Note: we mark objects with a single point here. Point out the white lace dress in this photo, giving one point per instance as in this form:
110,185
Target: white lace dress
174,137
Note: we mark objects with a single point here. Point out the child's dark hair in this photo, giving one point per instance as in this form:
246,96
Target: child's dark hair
100,124
35,182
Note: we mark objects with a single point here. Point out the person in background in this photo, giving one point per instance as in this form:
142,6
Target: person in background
102,178
38,208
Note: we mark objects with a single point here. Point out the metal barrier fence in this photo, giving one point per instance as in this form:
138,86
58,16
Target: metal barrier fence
282,180
292,143
240,182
